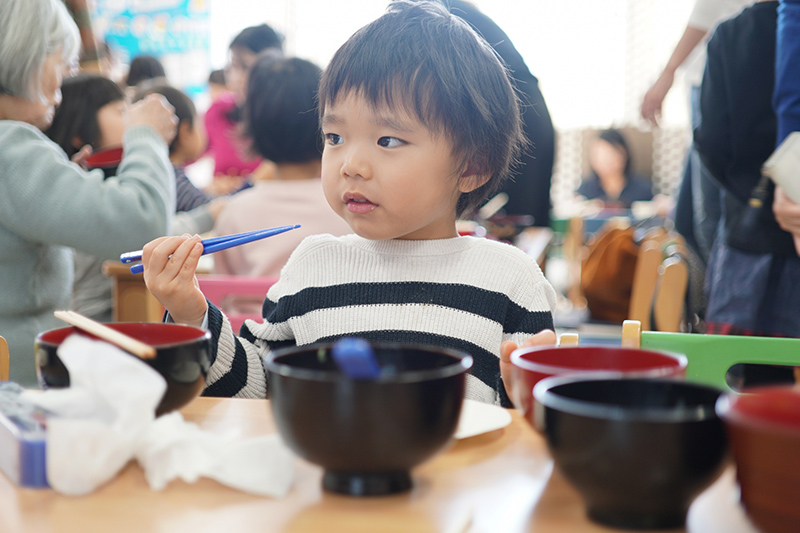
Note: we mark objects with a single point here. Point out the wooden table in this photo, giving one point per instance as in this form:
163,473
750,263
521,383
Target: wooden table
503,480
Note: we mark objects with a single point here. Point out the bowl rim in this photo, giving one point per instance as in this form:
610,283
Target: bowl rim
204,334
523,364
462,365
545,398
725,410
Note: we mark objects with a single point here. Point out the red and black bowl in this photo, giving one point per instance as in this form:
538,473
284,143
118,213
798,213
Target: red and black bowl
183,357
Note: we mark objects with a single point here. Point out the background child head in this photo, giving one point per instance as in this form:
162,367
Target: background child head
279,114
91,112
421,58
144,68
245,48
216,84
190,141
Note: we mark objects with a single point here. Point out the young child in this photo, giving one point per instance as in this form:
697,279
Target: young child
280,93
189,144
92,117
420,125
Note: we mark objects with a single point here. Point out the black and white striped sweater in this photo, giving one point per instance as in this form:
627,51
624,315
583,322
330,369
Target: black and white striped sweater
465,293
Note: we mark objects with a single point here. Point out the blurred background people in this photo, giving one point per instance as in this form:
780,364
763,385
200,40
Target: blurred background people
611,180
216,84
281,122
231,165
48,204
698,206
92,113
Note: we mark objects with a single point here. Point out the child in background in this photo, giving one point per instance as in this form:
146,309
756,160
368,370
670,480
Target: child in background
190,142
223,116
280,93
92,117
216,84
421,124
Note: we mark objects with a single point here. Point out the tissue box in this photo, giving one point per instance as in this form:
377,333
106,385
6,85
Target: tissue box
22,439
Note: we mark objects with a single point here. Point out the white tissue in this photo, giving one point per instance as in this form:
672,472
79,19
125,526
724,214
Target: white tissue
107,417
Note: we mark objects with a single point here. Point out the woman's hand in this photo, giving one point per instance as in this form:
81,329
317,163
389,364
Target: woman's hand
169,266
81,155
787,213
543,338
156,112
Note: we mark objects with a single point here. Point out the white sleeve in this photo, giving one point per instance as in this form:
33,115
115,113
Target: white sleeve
706,14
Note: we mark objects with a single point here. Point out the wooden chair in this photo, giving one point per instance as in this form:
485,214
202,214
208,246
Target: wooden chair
5,362
224,291
660,282
711,356
133,302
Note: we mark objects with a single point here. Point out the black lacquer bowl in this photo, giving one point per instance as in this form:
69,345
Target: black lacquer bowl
638,450
183,358
367,434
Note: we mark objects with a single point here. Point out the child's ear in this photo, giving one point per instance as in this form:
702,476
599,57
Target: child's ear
77,142
472,178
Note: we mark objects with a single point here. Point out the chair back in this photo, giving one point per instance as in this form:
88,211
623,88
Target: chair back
660,282
229,292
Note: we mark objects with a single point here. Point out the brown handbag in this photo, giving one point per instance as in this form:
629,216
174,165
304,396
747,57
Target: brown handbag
607,273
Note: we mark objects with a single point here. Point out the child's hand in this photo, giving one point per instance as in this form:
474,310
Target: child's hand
169,266
543,338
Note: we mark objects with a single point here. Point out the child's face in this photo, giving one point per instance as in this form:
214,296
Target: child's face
195,140
111,121
386,174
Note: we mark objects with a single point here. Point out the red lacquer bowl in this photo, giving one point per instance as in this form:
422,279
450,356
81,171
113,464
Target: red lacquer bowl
110,157
764,430
183,357
532,364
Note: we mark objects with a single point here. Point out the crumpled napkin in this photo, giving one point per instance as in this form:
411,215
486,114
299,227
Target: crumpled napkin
106,417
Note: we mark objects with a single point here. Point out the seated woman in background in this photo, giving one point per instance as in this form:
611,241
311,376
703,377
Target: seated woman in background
279,117
612,180
49,204
92,113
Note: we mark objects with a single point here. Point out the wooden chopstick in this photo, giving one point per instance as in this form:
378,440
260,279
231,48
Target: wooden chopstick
127,343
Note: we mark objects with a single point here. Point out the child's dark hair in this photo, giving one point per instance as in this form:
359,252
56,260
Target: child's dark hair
185,109
422,58
144,68
280,111
258,38
76,117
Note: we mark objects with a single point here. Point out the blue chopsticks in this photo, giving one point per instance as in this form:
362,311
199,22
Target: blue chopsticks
214,244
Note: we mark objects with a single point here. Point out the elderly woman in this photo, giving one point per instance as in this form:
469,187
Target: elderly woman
48,204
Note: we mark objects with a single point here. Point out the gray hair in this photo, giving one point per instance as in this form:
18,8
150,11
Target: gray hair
31,30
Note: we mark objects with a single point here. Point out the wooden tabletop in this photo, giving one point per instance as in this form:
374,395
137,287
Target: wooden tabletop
502,481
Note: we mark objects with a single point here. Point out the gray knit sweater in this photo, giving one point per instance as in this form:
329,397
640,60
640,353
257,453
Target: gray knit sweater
49,205
465,293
